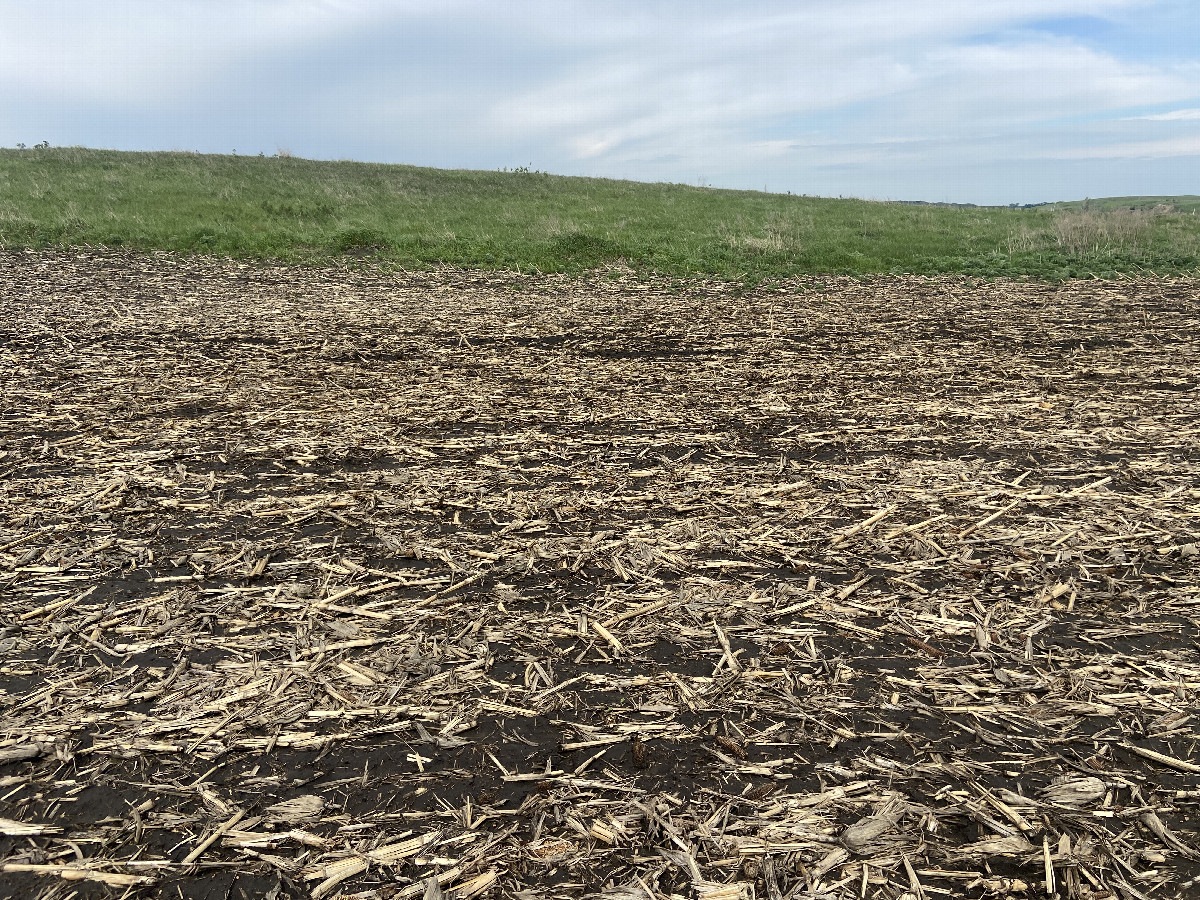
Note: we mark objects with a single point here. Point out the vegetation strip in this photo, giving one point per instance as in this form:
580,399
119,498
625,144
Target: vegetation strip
309,211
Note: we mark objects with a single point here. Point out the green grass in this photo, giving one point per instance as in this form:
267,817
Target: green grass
297,210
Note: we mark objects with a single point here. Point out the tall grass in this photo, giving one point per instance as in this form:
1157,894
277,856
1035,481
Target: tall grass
296,210
1084,231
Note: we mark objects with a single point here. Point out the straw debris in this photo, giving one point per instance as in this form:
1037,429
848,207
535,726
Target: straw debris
325,583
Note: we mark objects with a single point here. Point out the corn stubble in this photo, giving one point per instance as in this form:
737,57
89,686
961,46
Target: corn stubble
326,583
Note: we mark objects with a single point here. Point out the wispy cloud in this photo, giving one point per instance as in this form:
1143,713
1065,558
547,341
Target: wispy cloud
1175,115
1170,147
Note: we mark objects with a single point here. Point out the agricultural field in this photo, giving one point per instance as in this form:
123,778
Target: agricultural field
332,582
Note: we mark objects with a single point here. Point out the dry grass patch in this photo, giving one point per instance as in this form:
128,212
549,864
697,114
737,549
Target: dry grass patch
1083,231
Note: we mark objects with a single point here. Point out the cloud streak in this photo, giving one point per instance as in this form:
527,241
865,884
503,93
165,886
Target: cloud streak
1170,148
1175,115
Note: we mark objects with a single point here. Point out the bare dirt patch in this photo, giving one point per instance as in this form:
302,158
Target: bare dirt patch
321,583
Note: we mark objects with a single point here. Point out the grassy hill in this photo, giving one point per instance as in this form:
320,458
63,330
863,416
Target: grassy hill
1184,204
299,210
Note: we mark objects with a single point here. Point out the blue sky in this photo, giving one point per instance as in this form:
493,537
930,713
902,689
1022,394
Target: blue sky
985,101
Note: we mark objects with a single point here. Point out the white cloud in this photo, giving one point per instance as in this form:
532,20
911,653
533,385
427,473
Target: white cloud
1049,79
928,97
1175,115
713,78
587,146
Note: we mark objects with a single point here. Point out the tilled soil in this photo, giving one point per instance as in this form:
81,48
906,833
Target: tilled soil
337,583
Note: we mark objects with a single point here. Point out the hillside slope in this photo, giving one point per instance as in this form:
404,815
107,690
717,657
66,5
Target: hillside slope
301,210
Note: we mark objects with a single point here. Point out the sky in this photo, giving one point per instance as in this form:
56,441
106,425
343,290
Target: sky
970,101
